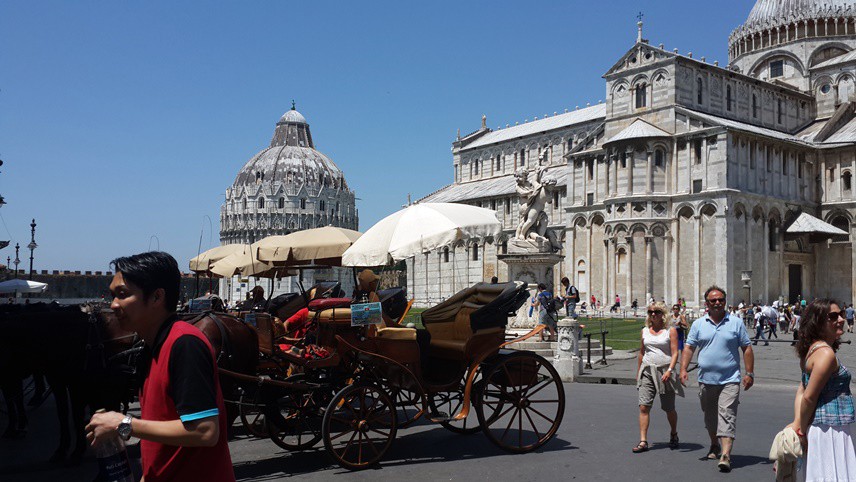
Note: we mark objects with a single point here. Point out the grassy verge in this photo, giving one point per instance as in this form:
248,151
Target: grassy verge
623,334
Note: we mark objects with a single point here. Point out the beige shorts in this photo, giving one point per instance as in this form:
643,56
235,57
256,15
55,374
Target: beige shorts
647,390
719,404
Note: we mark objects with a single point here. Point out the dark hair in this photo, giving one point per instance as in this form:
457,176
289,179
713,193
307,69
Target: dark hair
494,280
811,325
565,280
150,271
542,286
714,288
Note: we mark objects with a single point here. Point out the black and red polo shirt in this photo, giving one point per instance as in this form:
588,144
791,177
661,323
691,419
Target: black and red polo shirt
182,384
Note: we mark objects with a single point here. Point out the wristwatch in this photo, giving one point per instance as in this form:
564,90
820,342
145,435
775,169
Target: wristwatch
124,428
750,375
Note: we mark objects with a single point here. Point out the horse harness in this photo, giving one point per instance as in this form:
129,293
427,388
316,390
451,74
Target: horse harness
225,343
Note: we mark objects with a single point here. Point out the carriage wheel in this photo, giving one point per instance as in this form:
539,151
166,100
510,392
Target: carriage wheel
408,406
296,425
252,417
450,403
359,426
522,401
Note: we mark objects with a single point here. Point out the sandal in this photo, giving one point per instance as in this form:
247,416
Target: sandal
642,446
714,452
673,441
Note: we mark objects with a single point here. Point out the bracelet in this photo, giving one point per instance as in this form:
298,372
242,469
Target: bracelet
800,433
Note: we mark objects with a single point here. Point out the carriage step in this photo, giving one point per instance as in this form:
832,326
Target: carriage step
438,417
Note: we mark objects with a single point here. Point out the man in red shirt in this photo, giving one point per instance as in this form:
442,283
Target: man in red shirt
182,427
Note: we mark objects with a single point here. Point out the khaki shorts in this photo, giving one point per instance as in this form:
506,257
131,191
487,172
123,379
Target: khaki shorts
647,390
719,404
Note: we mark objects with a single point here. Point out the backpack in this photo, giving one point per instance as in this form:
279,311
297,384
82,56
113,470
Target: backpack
548,301
574,294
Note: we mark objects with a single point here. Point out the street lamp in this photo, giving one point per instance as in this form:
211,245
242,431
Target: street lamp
32,244
17,259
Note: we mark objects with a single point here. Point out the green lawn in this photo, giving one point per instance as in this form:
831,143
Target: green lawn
623,334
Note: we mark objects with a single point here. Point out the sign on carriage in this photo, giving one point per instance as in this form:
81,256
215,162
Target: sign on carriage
363,314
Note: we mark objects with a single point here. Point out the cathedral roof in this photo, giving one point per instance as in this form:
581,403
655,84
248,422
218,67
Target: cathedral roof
806,223
542,125
491,187
777,12
638,129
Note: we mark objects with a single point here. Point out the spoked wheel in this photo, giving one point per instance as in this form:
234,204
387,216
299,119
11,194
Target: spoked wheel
295,422
408,406
252,417
359,426
450,403
522,401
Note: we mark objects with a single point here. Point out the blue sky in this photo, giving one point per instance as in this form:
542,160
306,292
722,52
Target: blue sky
120,121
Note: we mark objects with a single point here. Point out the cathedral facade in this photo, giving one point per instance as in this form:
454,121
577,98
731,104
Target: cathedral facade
690,174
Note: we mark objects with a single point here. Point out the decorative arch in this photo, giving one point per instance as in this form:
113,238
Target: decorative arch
579,220
775,216
659,230
778,53
758,213
638,227
739,210
639,79
596,219
708,209
838,213
657,73
817,56
684,210
619,84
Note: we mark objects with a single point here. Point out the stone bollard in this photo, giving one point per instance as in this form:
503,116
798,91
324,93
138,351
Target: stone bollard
567,358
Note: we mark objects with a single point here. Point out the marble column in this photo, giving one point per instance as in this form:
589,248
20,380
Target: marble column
667,267
605,281
766,248
649,267
629,240
629,171
853,261
697,281
572,184
649,172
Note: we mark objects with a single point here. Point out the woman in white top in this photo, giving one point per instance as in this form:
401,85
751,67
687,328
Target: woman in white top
658,354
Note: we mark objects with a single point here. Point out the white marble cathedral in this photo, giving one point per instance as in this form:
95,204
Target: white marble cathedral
692,173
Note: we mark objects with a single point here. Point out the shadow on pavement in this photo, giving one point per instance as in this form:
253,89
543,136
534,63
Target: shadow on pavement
683,447
738,461
406,450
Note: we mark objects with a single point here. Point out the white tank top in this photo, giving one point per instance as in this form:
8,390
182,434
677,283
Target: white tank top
658,350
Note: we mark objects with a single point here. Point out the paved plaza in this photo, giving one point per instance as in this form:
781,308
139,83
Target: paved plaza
593,443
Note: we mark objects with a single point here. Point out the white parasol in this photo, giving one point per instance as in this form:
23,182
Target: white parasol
22,286
305,246
420,228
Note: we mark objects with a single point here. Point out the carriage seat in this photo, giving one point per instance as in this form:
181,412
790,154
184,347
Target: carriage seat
335,315
322,304
455,339
397,333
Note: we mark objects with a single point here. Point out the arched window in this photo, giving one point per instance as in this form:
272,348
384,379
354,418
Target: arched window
779,111
321,205
446,254
476,167
728,98
699,91
475,252
847,178
754,106
261,203
773,241
302,203
258,176
244,203
281,202
659,158
641,95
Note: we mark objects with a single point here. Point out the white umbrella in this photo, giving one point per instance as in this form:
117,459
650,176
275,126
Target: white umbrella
22,286
420,228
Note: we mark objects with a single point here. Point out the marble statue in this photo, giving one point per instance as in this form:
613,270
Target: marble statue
533,196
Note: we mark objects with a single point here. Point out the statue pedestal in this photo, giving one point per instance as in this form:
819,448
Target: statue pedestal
530,268
567,357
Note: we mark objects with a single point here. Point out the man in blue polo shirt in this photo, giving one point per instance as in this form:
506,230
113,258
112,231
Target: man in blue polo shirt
719,337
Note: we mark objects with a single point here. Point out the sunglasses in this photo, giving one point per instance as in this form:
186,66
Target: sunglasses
654,312
715,301
833,315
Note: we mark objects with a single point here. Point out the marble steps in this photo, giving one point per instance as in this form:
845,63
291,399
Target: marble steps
547,348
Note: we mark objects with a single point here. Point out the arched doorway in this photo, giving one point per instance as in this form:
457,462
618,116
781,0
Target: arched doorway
582,279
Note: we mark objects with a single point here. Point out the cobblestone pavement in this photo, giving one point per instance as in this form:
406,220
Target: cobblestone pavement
593,443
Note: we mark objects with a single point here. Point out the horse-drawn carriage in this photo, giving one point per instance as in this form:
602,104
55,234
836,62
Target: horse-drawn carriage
355,386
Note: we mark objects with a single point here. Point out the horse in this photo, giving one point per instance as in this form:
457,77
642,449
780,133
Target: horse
85,356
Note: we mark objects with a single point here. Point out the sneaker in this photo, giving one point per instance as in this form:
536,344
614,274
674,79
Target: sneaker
724,463
674,442
714,452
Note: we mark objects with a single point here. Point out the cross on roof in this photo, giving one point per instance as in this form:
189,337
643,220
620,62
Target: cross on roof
639,16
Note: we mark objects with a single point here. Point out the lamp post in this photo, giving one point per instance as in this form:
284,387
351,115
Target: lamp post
17,259
32,244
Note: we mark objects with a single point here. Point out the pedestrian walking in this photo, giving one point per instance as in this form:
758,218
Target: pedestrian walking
823,407
759,327
719,338
182,426
658,355
679,322
547,313
771,318
849,313
570,297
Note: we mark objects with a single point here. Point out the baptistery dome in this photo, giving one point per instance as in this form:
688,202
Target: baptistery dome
286,187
